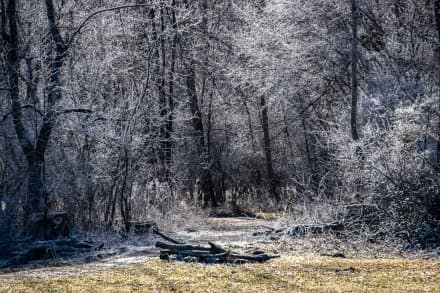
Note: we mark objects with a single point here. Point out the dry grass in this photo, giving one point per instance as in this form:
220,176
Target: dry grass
287,274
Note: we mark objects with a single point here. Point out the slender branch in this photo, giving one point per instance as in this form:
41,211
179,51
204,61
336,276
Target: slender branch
68,111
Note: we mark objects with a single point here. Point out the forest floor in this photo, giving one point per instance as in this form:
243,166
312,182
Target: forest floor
301,267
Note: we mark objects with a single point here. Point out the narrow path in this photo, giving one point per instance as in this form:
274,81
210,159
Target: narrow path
226,231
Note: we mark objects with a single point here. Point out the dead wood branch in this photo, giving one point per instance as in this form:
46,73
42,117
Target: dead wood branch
212,254
156,231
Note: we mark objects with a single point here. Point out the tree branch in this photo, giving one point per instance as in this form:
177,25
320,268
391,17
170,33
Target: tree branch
67,111
91,16
22,107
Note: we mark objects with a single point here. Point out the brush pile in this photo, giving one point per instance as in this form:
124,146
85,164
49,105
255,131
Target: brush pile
301,230
24,252
214,254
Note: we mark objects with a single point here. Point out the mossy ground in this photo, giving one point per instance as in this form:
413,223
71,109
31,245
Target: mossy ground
287,274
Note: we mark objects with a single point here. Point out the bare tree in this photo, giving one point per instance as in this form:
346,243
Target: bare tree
354,70
437,51
268,150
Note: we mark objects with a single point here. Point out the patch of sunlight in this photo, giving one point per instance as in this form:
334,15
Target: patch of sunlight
287,274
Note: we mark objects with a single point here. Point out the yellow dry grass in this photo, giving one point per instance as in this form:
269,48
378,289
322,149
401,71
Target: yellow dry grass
287,274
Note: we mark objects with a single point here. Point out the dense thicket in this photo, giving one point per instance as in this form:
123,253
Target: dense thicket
127,110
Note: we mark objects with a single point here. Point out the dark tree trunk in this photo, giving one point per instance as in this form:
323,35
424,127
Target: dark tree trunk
437,21
34,154
288,136
124,203
268,150
36,188
2,19
249,120
170,117
158,77
34,159
11,41
37,194
166,126
354,69
31,88
197,121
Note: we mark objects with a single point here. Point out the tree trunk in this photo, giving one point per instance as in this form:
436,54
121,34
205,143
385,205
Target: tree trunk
437,21
34,159
124,203
158,44
36,187
197,121
268,150
249,120
37,194
34,154
354,73
170,117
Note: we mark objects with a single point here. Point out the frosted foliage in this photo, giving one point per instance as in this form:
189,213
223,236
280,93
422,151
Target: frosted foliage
163,109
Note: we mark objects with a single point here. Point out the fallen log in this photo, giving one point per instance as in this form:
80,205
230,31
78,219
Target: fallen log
253,258
176,247
212,254
216,248
156,231
213,249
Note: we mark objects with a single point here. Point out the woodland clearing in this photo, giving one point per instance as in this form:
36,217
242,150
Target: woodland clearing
302,267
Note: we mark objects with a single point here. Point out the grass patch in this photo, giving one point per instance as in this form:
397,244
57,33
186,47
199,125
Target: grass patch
287,274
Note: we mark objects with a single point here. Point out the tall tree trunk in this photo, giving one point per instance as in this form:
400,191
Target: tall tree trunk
249,120
2,19
171,73
206,184
306,144
13,74
268,150
158,44
124,203
36,193
36,186
34,161
197,121
354,69
437,21
164,107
